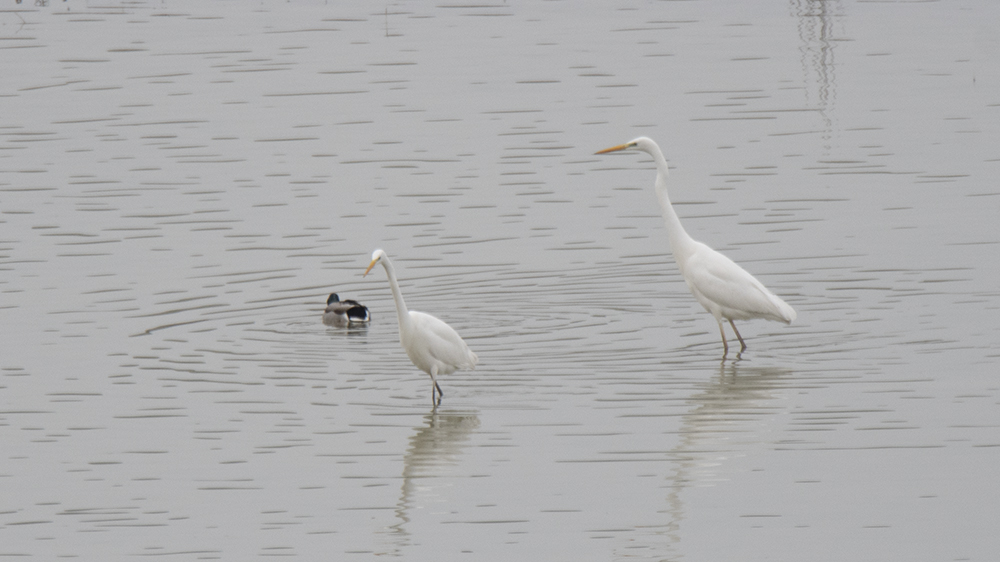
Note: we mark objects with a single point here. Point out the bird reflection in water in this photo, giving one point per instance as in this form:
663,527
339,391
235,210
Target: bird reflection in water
433,454
727,419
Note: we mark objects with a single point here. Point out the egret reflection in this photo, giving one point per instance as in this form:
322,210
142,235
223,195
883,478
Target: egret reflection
430,463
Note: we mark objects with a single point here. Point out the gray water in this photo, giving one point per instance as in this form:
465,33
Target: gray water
182,183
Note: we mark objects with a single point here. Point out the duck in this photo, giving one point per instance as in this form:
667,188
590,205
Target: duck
343,313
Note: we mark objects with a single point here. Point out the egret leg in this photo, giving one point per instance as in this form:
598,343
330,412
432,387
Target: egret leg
743,346
725,344
436,387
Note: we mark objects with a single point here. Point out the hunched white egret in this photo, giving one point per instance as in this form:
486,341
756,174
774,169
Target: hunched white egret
432,345
725,289
342,313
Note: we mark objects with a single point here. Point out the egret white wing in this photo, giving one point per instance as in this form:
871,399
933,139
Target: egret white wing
737,294
443,342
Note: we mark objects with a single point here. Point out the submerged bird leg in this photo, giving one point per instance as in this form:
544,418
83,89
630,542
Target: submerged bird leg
743,346
725,344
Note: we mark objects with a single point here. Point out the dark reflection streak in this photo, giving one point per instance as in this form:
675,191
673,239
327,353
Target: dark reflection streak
151,331
434,449
816,20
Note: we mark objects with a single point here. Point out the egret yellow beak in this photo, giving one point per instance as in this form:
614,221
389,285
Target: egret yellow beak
370,266
614,148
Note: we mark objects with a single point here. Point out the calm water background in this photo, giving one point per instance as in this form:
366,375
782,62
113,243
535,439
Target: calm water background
182,183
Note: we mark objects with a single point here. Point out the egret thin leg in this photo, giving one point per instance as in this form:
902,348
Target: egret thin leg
725,344
743,346
436,387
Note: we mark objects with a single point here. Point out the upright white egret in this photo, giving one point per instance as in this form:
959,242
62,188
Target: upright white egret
341,313
722,287
433,346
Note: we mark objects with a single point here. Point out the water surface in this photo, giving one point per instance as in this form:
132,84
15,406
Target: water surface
183,183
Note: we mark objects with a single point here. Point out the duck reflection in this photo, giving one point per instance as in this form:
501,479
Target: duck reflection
352,330
433,453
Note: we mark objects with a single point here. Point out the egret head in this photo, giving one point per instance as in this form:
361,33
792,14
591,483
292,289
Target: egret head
644,144
377,255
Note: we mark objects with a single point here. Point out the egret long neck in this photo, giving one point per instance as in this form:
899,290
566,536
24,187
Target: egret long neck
401,312
679,238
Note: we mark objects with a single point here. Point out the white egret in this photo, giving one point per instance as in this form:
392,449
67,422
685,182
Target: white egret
341,313
722,287
432,345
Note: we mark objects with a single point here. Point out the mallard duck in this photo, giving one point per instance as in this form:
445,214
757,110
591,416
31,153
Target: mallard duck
342,313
